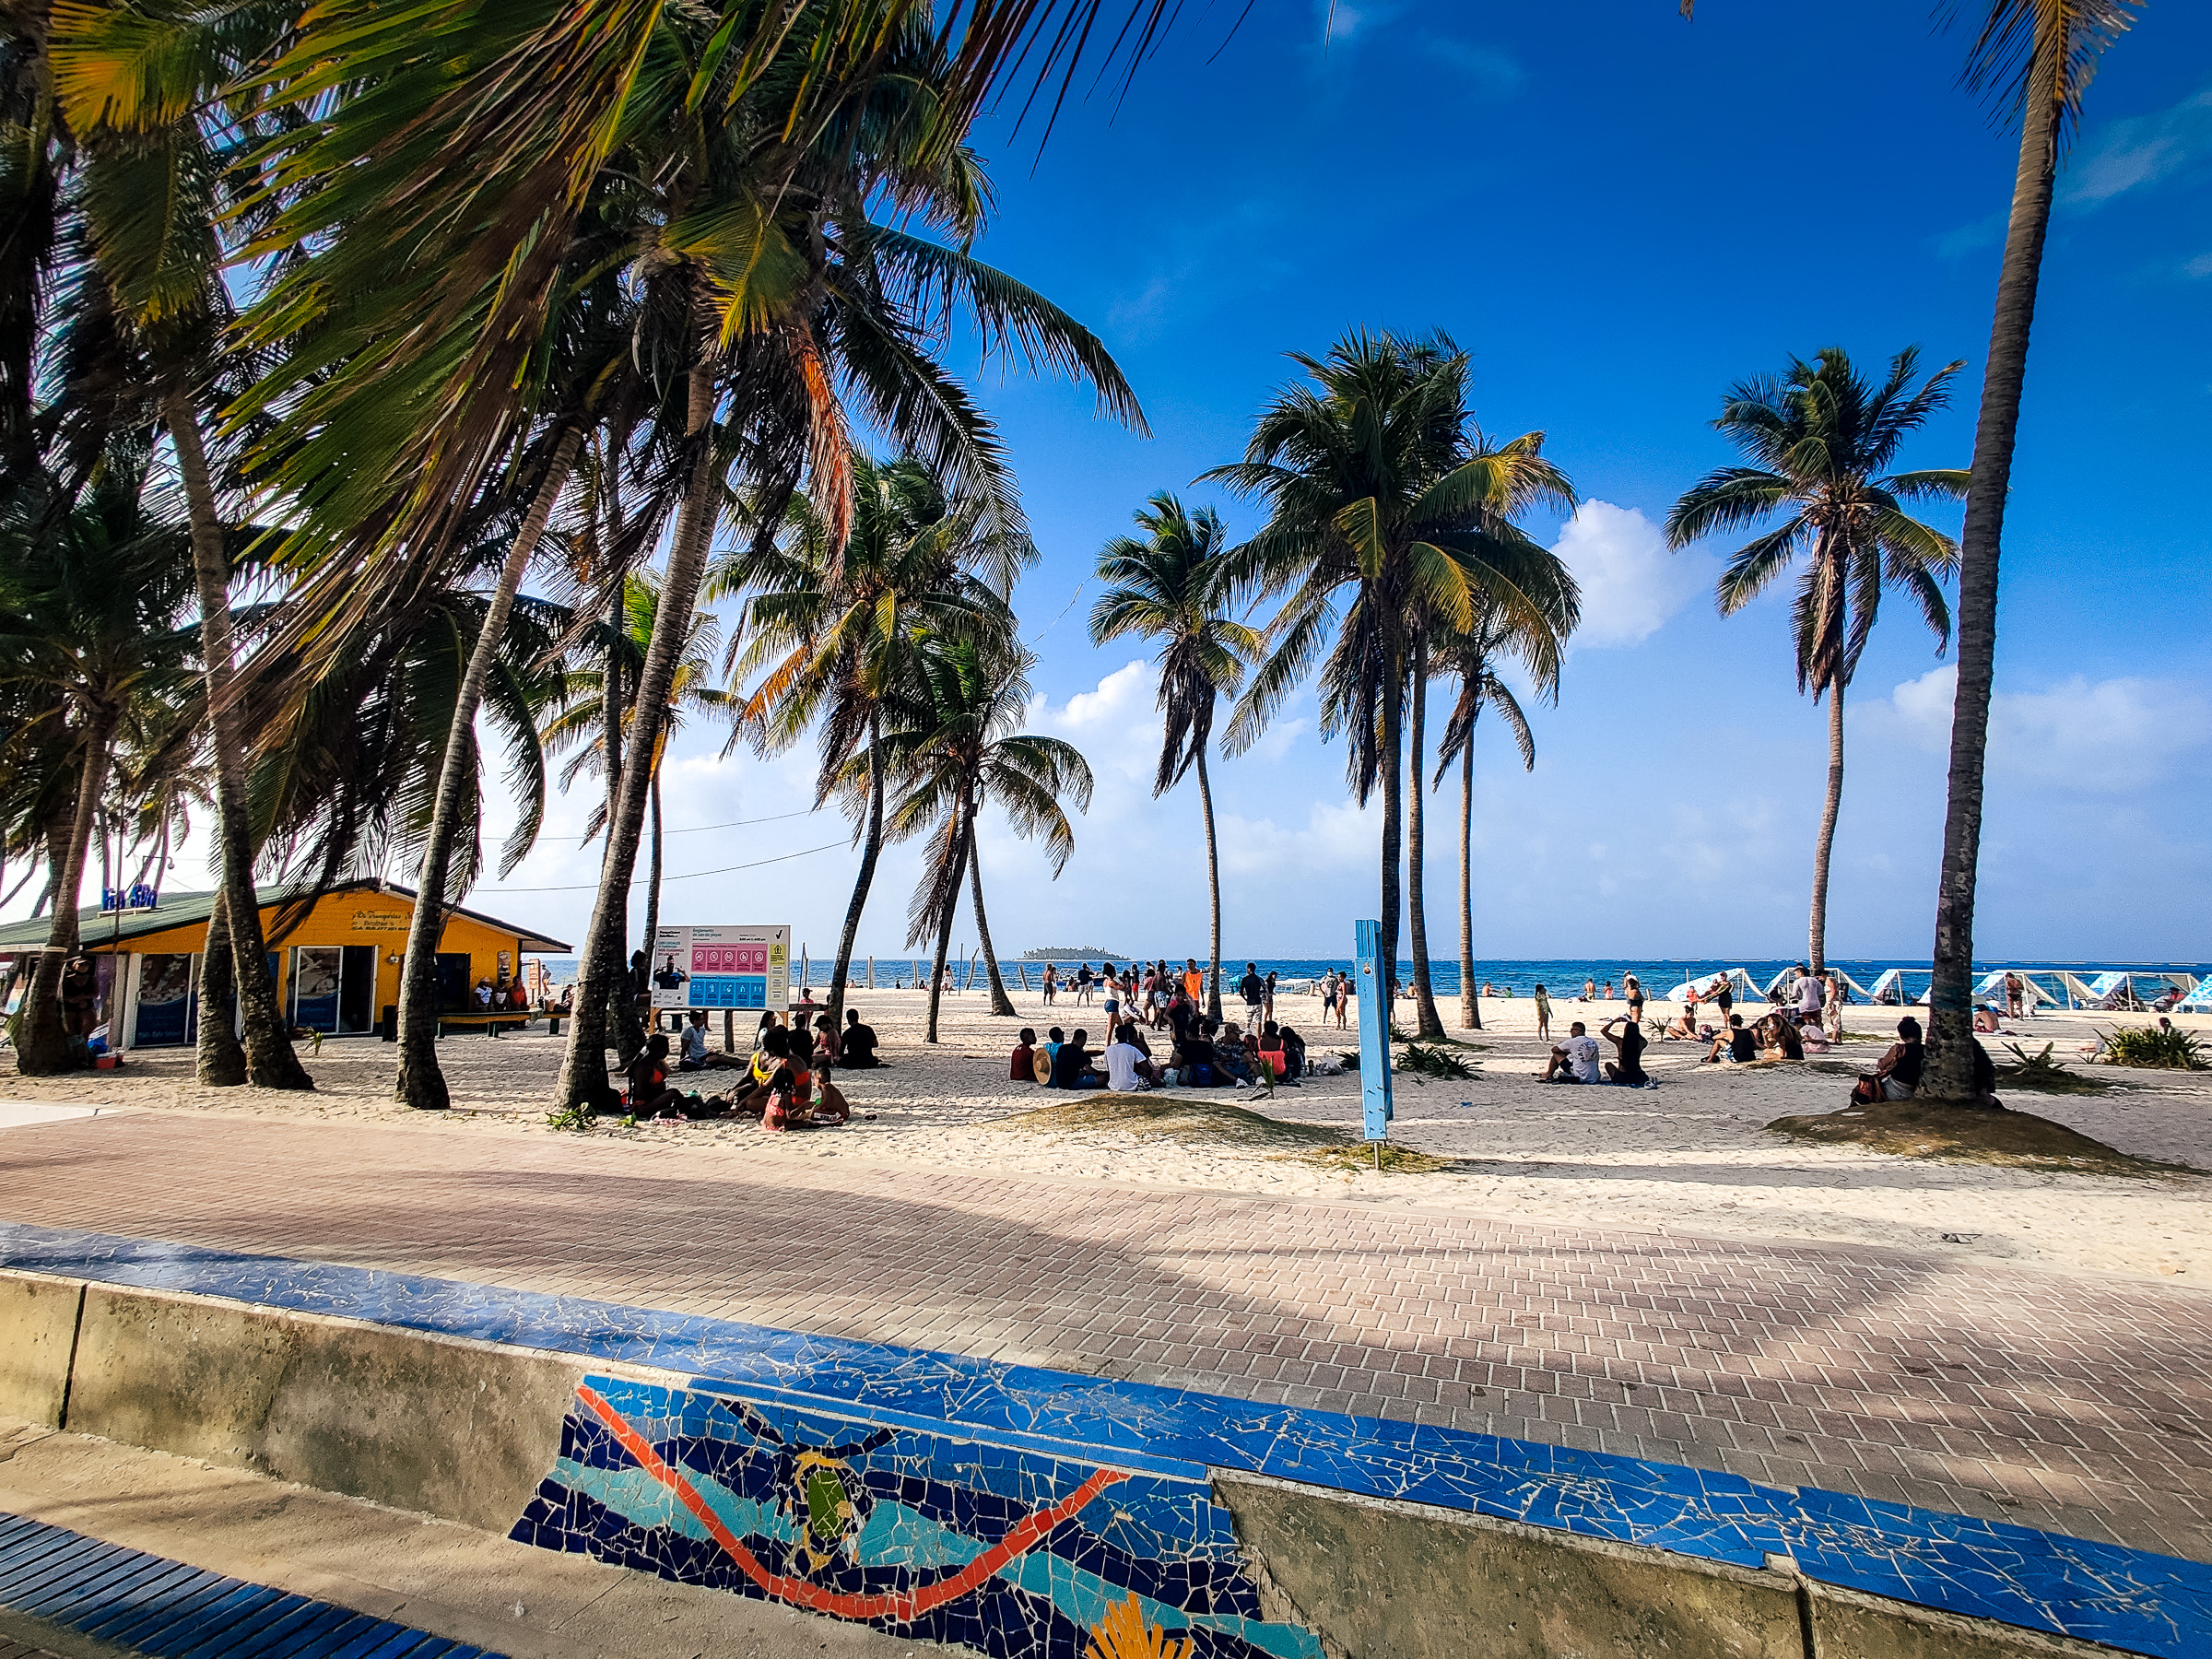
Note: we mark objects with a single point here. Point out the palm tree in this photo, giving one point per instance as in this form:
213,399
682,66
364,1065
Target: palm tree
1171,585
95,639
952,745
2036,57
693,691
1472,655
833,631
1820,436
1379,502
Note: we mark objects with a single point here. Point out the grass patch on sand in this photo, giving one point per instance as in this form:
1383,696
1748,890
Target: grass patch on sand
1962,1134
1194,1120
2044,1075
1172,1114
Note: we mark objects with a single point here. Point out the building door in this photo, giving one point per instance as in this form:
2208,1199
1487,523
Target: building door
166,998
356,988
315,975
453,982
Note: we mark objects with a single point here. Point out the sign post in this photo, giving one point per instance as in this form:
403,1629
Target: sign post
1374,1035
721,968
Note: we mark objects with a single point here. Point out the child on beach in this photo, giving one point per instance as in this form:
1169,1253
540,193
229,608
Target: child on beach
1543,1013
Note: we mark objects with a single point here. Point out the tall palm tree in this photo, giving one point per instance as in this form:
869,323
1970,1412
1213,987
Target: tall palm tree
1518,479
952,746
1380,505
1172,584
2036,57
1472,655
1819,437
157,132
832,632
95,639
694,692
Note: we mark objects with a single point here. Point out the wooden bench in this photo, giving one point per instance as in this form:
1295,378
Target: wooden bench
491,1024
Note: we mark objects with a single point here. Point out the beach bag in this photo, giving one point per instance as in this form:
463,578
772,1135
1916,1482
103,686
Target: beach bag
1867,1091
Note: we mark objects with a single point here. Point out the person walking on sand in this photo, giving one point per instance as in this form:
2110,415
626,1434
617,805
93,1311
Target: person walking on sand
1543,1013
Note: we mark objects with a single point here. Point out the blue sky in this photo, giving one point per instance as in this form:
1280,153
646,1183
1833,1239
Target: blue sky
1617,214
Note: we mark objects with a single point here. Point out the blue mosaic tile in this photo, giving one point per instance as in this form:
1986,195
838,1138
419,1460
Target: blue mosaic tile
1000,1438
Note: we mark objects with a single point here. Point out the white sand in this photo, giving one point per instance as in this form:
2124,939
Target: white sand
1690,1155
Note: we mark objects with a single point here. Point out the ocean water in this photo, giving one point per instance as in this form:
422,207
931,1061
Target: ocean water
1519,975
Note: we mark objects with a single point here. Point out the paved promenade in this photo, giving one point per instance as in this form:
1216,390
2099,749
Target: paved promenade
2080,1405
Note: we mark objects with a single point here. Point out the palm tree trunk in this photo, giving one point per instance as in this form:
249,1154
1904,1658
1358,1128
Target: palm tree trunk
652,868
1000,1002
1817,938
584,1070
952,891
1213,883
871,848
1470,1005
1950,1074
1386,939
270,1062
419,1083
220,1059
1431,1026
46,1046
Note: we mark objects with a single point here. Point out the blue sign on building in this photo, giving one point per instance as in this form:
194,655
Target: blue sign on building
1374,1031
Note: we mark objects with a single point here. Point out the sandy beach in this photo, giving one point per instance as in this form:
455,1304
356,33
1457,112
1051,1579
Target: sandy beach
1692,1156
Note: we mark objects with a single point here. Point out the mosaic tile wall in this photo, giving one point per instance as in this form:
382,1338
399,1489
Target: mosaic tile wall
2130,1599
1015,1553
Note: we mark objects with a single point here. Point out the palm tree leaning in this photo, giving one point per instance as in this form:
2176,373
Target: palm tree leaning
1172,584
832,632
2037,57
1381,504
951,744
1819,436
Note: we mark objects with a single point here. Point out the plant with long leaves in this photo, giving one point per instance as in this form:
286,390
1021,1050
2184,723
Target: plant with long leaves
832,631
1172,583
952,747
1819,438
1381,509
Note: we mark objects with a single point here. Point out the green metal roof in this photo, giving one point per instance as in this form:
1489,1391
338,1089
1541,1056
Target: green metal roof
98,928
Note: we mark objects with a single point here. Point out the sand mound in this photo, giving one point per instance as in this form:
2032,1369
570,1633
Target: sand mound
1909,1129
1170,1116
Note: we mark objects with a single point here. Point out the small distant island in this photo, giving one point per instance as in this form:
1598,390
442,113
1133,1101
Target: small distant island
1069,953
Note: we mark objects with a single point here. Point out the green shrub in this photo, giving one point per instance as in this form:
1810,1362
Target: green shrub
2169,1047
1421,1061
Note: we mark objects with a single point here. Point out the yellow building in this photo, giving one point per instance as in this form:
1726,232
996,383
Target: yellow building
337,966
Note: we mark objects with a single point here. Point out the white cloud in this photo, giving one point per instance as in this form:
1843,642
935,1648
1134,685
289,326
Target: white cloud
2108,736
2199,267
1478,67
2141,149
1630,584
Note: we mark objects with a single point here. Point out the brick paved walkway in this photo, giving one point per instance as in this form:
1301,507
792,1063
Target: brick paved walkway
2080,1404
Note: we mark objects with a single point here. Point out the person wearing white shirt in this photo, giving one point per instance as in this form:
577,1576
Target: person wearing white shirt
1574,1061
1809,997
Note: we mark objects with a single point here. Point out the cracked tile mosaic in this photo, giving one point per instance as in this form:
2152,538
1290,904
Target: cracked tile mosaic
990,1435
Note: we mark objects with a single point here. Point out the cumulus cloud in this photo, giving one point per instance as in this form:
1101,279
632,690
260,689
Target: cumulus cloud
1630,584
2142,150
2107,737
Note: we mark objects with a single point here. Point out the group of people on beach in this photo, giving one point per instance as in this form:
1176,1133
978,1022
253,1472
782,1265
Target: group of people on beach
786,1082
1201,1053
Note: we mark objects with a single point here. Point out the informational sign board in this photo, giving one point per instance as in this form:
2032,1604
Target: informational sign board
721,968
1374,1031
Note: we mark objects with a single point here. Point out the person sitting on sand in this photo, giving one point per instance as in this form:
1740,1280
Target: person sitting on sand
649,1087
1071,1063
697,1055
1230,1056
1195,1057
1024,1067
856,1050
1294,1055
1687,1025
1128,1068
1735,1046
1628,1042
1574,1061
1813,1038
1896,1075
1985,1018
1778,1038
1047,1052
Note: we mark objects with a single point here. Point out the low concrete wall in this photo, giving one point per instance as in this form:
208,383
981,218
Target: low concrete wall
1378,1580
460,1429
37,1328
466,1430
